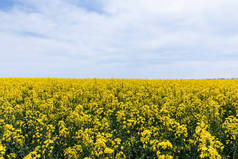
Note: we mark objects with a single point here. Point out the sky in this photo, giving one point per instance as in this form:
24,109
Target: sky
149,39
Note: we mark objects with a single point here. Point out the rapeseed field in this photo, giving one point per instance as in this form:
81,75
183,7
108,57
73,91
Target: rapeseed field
118,118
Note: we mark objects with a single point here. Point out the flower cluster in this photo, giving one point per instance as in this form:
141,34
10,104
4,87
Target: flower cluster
118,118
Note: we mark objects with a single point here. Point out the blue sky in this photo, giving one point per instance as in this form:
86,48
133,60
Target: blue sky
6,4
119,38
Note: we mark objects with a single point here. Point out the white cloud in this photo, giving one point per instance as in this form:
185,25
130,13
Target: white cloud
127,38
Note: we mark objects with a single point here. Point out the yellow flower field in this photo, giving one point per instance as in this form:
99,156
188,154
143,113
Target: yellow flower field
118,118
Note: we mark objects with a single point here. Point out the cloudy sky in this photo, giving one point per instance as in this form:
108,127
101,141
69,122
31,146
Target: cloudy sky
119,38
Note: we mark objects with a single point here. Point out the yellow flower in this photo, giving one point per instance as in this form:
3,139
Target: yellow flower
108,151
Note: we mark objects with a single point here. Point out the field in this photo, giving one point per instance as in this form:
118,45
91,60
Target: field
118,118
